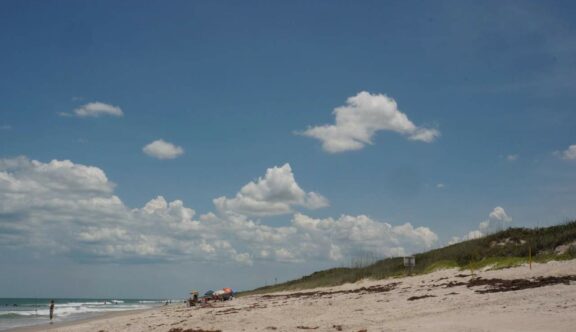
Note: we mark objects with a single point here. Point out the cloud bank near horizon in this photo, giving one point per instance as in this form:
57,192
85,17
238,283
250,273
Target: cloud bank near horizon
361,118
69,209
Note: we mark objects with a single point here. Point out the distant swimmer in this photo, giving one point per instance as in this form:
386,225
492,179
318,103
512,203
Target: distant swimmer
51,310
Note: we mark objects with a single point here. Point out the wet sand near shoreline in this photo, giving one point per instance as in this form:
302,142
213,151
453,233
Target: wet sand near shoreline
58,325
515,299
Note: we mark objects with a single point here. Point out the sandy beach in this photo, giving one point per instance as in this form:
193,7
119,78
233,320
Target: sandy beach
517,299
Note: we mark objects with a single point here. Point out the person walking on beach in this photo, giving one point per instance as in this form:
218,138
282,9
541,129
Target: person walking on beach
51,310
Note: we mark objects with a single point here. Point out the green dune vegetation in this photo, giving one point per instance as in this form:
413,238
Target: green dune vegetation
504,249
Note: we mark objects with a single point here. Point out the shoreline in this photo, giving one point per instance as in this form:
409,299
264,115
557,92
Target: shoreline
65,324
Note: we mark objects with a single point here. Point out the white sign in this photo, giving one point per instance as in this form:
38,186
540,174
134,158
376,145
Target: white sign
410,261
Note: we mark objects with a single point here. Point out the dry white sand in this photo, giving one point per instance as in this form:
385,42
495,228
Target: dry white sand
452,305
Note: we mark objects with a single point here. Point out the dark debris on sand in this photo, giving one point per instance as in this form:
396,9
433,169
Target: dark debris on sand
510,285
362,290
454,284
420,297
461,275
307,327
496,285
179,329
227,311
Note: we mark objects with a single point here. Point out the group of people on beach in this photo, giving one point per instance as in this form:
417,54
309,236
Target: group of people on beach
224,294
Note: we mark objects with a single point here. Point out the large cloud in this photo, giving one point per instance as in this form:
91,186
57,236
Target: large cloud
65,208
363,116
62,207
161,149
96,109
570,153
307,238
274,194
37,200
355,235
497,220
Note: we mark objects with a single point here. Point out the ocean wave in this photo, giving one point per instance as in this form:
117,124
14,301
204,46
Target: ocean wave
12,315
64,310
151,301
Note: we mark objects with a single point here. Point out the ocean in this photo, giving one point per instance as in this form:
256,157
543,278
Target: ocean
19,312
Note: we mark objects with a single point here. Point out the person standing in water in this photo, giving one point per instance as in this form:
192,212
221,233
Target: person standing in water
51,310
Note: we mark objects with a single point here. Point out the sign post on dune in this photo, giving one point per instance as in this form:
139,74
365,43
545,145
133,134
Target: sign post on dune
409,263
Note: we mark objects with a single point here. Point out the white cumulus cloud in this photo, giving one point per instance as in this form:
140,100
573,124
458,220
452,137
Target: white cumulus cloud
96,109
353,235
358,121
163,150
570,153
274,194
497,220
67,208
512,157
64,208
499,215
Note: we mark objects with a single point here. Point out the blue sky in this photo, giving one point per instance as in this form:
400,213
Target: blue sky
235,90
